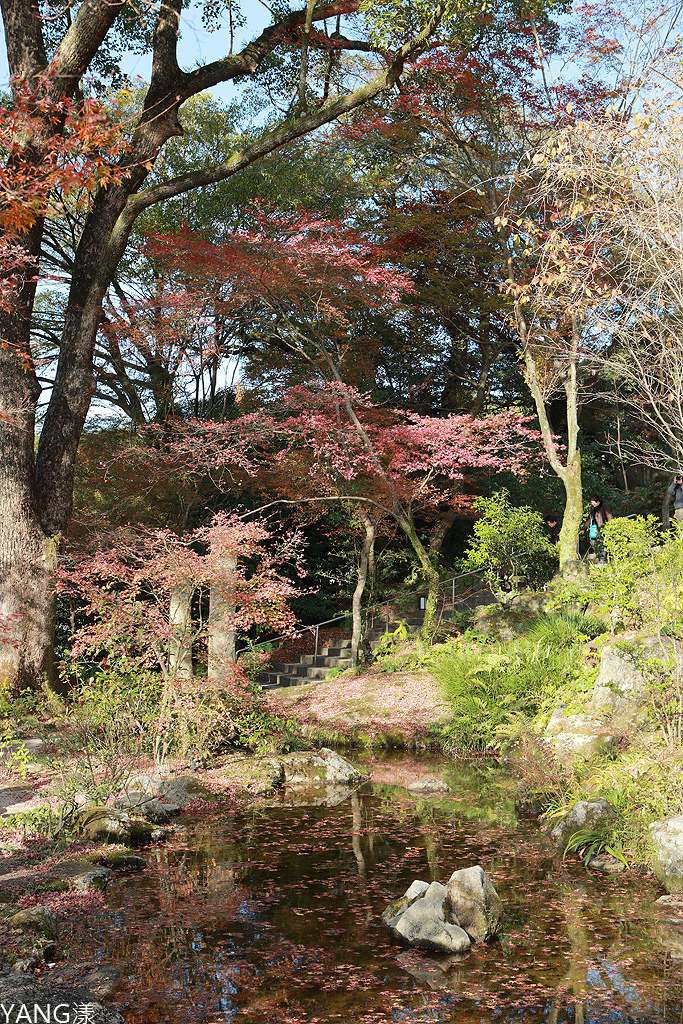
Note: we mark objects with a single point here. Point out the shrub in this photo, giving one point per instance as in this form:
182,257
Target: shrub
493,688
510,544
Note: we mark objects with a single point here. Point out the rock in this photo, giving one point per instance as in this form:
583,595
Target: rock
265,774
531,603
671,903
620,686
158,835
606,864
179,791
53,885
148,806
394,910
96,880
503,623
102,824
667,857
570,746
425,922
99,980
25,966
49,1004
124,861
583,816
40,920
574,736
428,786
319,768
474,902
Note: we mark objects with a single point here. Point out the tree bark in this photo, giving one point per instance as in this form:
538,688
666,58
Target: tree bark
366,550
222,608
180,620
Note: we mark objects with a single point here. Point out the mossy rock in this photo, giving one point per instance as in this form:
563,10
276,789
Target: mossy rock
53,885
122,860
39,920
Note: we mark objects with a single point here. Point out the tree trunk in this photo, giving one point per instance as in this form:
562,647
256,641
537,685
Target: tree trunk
180,620
222,608
432,577
27,553
573,511
368,541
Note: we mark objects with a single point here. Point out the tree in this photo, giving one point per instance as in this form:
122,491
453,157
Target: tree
129,582
49,60
401,466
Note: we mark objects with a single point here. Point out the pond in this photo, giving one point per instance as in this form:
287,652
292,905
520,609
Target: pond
269,914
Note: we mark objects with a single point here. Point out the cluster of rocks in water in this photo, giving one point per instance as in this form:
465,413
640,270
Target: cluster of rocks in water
447,918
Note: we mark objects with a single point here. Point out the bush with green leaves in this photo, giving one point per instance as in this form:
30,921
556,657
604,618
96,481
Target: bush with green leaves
494,688
510,545
641,582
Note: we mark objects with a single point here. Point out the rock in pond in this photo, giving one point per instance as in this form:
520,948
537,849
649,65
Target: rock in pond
121,860
148,806
96,880
474,902
106,825
422,919
320,767
66,1004
40,920
428,786
446,918
584,815
667,857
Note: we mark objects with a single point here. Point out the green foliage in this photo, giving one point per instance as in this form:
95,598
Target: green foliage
590,842
510,545
641,582
493,687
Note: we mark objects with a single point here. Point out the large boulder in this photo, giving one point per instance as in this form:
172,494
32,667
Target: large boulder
474,903
422,919
22,995
41,921
148,806
620,686
578,736
666,861
96,880
322,767
110,825
180,791
584,816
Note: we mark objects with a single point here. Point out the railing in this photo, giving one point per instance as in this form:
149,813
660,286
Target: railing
385,605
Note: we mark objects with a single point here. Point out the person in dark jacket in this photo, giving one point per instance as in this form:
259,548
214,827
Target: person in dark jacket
554,526
599,514
675,491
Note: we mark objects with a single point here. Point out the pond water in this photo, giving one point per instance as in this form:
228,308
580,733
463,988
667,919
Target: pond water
270,915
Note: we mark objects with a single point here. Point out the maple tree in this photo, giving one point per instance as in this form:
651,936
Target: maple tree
36,487
400,466
137,586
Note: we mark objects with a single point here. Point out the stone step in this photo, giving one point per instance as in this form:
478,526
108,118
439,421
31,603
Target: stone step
324,660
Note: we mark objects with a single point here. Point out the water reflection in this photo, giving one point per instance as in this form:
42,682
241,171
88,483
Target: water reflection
270,914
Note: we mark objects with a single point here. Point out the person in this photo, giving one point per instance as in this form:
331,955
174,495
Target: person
675,491
599,514
554,526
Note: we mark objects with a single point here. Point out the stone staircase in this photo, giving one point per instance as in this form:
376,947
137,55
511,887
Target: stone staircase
308,667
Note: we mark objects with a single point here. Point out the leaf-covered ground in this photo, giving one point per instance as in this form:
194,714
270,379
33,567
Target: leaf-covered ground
409,703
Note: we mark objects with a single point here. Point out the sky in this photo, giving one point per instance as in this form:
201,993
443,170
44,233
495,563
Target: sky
197,46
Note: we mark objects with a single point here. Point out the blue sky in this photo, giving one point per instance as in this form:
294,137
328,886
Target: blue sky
197,46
